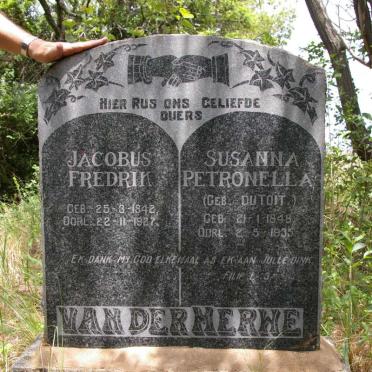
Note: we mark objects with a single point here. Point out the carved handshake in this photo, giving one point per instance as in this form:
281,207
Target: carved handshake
186,69
175,71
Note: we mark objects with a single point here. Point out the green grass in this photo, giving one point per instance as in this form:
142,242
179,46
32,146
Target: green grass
347,264
347,261
20,276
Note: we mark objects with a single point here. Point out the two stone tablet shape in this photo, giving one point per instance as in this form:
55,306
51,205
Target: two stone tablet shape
182,195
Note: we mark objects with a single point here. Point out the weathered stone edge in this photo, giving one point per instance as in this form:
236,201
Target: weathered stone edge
22,363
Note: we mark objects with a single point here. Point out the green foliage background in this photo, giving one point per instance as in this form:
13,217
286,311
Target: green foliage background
265,21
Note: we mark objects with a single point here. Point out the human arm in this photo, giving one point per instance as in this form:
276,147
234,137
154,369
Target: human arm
12,36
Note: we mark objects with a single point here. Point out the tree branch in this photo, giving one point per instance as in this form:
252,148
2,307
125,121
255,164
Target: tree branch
360,60
331,39
69,12
59,10
50,19
336,47
363,20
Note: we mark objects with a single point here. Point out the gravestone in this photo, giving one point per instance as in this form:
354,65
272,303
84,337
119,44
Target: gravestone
182,195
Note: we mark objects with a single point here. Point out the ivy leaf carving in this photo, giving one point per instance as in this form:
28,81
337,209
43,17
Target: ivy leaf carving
310,77
224,43
252,59
56,101
312,114
301,98
105,61
283,97
96,80
262,79
298,96
283,76
52,80
75,78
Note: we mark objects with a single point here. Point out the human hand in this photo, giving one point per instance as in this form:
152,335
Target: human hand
186,69
47,51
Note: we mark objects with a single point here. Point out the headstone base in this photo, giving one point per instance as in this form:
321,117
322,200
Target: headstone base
41,357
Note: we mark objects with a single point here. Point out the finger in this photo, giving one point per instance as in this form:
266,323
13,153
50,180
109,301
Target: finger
73,48
171,79
189,77
176,82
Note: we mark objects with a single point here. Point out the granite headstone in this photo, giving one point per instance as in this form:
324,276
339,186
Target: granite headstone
182,195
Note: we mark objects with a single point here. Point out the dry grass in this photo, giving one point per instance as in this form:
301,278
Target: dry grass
347,266
360,353
20,277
